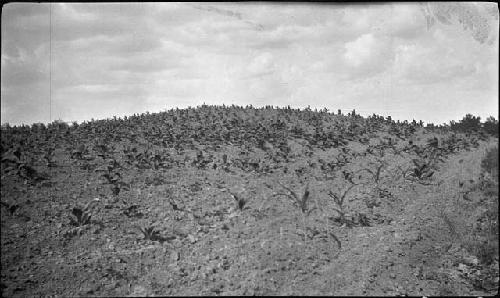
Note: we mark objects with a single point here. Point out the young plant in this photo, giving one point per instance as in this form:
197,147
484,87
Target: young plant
29,173
339,200
81,215
376,173
299,200
78,153
102,151
422,169
239,200
150,233
114,178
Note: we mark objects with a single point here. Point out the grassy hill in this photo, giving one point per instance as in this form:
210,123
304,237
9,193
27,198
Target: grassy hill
219,200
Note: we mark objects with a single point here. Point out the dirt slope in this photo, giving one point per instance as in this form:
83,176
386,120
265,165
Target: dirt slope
415,255
392,235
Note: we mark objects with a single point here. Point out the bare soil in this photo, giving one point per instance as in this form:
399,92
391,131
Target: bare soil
408,238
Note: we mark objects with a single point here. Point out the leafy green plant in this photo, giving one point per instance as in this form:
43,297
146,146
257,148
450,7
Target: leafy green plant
426,165
78,152
81,216
102,150
376,173
339,198
422,169
150,233
114,177
29,173
239,200
301,201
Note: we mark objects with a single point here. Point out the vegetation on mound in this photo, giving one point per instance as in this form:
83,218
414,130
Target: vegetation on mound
215,177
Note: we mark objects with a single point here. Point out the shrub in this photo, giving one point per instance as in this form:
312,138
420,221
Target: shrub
467,124
491,126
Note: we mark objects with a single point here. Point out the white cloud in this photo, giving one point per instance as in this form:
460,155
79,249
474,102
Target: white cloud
367,55
124,58
405,21
261,65
443,61
360,50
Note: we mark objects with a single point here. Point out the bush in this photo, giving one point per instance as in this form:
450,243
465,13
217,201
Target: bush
491,126
467,124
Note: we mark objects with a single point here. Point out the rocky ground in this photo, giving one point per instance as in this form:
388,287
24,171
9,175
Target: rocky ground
227,231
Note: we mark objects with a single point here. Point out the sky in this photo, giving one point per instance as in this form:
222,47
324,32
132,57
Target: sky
77,61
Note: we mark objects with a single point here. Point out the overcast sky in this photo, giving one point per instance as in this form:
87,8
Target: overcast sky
120,59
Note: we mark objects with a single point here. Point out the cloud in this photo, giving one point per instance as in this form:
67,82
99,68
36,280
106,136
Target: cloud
228,13
429,64
367,55
360,50
25,105
134,43
123,58
79,102
405,21
261,65
431,73
22,74
25,27
71,24
145,65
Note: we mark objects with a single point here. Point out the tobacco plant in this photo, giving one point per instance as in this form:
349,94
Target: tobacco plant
301,201
339,198
81,215
150,233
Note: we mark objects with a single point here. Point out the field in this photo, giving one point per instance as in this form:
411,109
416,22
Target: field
246,201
